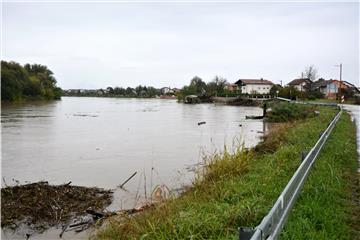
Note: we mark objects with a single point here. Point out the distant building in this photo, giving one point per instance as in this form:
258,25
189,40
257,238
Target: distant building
166,90
254,86
232,87
72,91
176,90
330,88
301,84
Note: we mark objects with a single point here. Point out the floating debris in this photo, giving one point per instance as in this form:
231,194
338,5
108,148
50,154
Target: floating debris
160,193
201,123
254,117
85,115
41,206
128,179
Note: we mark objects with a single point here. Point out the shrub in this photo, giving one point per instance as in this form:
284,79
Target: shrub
283,112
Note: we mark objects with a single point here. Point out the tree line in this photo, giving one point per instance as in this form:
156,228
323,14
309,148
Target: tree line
216,87
31,81
137,92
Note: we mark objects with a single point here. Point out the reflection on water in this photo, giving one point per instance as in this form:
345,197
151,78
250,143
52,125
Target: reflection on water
102,141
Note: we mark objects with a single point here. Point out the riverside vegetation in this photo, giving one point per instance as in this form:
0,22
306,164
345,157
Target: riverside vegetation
31,81
239,188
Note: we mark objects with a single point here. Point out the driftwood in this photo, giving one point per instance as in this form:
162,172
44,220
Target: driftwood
254,117
67,184
99,216
135,210
40,206
201,123
79,224
63,230
122,185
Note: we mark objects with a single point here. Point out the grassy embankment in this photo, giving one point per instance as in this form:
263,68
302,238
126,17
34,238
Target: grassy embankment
355,101
239,189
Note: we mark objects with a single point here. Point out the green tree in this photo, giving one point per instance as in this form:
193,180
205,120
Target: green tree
18,82
197,86
216,87
289,92
275,90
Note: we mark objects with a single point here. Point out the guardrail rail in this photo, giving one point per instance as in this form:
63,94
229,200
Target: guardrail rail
272,224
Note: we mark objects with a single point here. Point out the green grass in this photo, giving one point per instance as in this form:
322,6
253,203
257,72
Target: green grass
239,189
325,100
325,209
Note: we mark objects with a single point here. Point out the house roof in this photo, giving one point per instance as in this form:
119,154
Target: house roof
349,84
320,83
299,81
254,81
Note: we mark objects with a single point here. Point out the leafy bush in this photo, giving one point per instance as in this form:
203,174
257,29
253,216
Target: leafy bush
283,112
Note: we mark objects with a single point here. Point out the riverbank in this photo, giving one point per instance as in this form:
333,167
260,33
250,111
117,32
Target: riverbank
30,100
239,189
36,207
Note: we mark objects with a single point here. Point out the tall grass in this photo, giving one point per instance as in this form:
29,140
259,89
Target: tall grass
232,190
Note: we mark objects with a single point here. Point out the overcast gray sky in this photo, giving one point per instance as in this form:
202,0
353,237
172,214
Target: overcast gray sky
95,45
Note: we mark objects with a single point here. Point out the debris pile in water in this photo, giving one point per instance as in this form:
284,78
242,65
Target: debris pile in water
40,205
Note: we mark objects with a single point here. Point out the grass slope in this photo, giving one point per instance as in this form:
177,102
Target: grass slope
327,208
239,189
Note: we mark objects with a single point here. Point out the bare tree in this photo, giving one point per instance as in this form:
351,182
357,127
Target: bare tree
311,72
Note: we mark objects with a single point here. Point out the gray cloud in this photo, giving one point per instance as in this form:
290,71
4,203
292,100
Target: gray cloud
94,45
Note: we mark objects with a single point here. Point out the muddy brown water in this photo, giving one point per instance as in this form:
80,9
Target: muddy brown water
102,141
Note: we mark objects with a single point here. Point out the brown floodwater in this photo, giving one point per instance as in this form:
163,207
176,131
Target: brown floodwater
102,141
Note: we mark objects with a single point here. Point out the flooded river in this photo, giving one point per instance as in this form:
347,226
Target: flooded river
102,141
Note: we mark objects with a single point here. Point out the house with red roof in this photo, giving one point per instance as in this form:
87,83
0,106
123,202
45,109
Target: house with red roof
331,88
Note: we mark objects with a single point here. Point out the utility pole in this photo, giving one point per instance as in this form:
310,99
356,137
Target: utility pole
339,92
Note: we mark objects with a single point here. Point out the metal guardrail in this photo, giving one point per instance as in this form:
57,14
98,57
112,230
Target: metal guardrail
272,224
308,103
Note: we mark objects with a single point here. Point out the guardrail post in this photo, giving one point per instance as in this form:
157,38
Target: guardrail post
303,155
245,233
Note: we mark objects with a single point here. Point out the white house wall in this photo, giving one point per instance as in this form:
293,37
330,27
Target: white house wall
256,88
301,87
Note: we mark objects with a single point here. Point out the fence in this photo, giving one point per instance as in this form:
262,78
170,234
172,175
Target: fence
272,224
